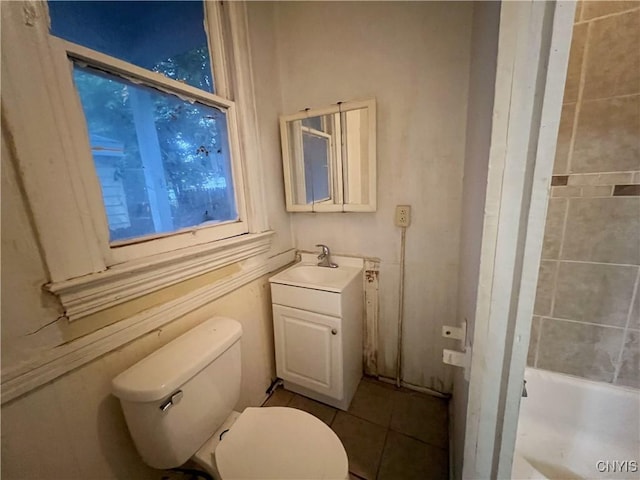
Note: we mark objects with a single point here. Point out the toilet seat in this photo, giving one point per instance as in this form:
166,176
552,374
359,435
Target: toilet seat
280,443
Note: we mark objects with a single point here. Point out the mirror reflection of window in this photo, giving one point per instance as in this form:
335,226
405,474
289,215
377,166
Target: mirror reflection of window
313,153
317,155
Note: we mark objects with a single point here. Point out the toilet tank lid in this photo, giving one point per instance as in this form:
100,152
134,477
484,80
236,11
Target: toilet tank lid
158,375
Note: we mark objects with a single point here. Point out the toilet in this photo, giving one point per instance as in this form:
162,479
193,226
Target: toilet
178,404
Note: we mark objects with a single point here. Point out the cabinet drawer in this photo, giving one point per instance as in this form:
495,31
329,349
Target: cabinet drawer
306,299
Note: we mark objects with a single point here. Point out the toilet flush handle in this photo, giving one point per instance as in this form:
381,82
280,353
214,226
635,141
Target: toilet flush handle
171,401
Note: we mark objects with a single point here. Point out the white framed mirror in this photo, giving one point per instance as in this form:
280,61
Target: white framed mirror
329,158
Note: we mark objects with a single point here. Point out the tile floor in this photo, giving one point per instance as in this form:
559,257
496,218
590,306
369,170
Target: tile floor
388,433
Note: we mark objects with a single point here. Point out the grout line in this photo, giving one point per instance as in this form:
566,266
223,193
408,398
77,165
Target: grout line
593,263
574,128
554,286
576,113
608,15
594,196
384,447
603,172
615,327
333,418
535,356
563,230
356,476
618,364
612,97
412,437
581,12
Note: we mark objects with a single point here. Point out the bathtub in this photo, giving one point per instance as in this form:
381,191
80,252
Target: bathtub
571,428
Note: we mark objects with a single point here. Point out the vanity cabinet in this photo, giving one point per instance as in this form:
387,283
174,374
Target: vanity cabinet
318,335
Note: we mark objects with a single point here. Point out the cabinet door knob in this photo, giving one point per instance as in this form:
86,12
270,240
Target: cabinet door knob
334,331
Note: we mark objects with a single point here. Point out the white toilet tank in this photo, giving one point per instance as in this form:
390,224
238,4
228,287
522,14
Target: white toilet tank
177,397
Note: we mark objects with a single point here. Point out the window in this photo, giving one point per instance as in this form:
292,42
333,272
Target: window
162,155
163,163
162,36
140,169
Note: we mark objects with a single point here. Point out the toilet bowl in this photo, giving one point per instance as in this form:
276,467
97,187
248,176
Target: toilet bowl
178,403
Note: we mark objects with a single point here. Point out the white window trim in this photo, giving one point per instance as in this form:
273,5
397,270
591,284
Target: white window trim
124,282
137,248
84,270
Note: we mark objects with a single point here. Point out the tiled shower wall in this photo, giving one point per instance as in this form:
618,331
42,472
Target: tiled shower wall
587,311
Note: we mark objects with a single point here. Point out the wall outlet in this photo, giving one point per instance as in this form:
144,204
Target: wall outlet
403,215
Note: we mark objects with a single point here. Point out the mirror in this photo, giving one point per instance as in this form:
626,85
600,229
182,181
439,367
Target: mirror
330,158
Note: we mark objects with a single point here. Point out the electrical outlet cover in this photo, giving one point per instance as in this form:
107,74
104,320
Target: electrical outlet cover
403,215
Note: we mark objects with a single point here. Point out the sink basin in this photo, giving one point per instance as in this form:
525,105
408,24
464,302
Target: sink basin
321,275
309,275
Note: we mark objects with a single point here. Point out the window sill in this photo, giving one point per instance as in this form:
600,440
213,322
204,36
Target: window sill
84,296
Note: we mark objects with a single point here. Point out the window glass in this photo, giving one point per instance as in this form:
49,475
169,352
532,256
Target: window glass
163,163
163,36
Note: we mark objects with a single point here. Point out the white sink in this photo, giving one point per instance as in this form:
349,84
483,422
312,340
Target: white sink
308,275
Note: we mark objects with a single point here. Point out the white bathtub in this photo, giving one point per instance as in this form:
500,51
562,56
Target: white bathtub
571,428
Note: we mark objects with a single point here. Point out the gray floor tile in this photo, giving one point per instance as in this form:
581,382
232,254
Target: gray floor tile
407,459
363,441
320,410
279,398
389,433
373,402
422,417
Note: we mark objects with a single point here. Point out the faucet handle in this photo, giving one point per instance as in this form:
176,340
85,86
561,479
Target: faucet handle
325,249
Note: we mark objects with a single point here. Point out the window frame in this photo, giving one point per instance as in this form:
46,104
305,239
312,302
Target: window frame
44,124
131,249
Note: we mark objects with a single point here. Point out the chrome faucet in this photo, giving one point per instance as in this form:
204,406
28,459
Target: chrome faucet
325,257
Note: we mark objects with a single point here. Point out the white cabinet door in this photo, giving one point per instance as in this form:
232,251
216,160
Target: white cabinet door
308,349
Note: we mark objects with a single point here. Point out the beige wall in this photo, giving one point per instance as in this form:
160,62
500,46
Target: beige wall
414,59
25,307
267,88
587,320
72,427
